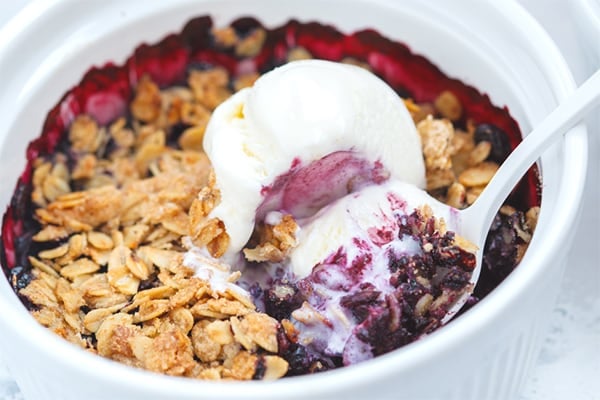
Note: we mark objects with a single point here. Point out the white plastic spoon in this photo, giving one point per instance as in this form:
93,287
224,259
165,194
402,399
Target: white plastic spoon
476,219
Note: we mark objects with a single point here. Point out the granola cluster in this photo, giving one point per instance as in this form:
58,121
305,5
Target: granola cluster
457,167
460,163
119,206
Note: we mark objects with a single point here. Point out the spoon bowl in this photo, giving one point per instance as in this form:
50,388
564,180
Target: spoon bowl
477,218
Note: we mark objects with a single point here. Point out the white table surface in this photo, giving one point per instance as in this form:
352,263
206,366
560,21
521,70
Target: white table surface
568,366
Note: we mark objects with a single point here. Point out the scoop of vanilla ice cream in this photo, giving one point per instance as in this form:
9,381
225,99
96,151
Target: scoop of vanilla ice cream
298,114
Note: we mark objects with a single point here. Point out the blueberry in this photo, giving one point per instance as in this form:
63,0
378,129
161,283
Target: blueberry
20,201
498,139
243,26
261,368
90,339
500,252
149,283
282,298
20,277
455,279
377,330
359,302
410,292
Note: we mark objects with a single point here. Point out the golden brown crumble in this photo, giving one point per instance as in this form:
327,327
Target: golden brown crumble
457,169
225,37
298,53
122,231
210,87
436,140
274,241
247,45
251,44
448,105
146,105
245,81
204,231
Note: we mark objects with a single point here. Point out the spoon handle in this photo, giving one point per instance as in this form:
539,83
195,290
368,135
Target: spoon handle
564,117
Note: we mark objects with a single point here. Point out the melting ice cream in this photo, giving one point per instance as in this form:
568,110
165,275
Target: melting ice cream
334,147
305,134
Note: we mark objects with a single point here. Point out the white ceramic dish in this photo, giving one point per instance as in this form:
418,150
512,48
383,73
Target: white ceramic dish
499,49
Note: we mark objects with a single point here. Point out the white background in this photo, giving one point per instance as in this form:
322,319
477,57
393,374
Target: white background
569,364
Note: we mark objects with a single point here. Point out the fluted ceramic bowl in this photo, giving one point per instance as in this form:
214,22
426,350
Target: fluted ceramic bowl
494,46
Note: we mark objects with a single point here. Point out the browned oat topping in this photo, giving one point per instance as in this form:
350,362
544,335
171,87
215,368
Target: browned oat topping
111,277
457,168
274,241
116,284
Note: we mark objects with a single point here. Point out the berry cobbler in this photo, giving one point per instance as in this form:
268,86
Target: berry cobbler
192,211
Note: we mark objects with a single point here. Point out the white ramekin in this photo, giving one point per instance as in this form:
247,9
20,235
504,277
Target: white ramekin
495,46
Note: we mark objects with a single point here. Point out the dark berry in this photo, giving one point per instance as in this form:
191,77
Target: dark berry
196,33
256,291
360,302
85,309
451,256
149,283
243,26
260,369
303,360
281,299
500,251
410,292
398,263
23,247
20,277
456,279
20,201
497,138
375,330
90,339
